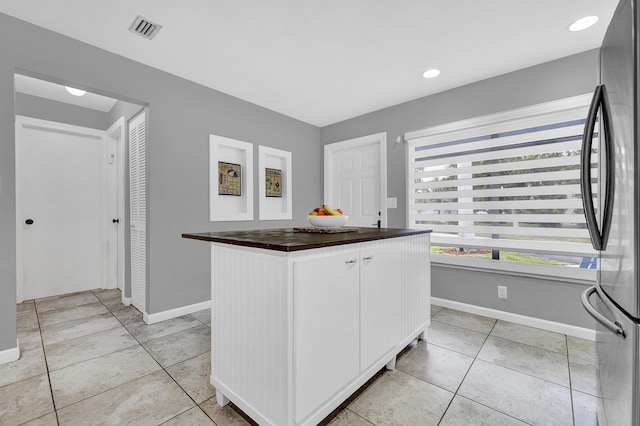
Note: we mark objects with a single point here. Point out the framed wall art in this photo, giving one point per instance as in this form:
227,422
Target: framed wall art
274,183
230,179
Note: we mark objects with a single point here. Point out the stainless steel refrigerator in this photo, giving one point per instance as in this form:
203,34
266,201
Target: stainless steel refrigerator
613,224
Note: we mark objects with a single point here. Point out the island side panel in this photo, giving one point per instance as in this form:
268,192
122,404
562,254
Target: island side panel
416,286
250,322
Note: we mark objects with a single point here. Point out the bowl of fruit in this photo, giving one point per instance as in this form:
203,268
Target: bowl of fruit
326,217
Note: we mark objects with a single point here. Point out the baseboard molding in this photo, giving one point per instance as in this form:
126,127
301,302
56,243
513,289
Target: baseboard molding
556,327
174,313
126,301
10,355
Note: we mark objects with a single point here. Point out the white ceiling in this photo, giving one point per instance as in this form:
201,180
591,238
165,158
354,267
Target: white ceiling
57,92
324,61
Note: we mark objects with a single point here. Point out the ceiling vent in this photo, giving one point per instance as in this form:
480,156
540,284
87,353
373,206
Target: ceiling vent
144,28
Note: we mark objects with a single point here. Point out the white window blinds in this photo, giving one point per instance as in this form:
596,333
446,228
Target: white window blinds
508,181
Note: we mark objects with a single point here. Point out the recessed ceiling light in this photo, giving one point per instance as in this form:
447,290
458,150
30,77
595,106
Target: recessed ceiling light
583,23
75,92
432,73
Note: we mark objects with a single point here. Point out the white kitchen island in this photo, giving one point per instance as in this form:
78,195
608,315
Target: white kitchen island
300,321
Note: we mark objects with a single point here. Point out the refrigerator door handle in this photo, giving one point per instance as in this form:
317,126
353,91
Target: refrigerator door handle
599,102
610,176
613,326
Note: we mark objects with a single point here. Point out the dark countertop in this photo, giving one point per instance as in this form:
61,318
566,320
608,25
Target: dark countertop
287,240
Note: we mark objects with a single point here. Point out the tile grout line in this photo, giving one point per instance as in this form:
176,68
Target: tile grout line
178,384
160,365
573,413
87,335
503,366
46,363
504,338
164,369
475,357
48,372
122,384
89,359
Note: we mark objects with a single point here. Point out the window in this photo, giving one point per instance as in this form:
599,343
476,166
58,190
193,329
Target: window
505,188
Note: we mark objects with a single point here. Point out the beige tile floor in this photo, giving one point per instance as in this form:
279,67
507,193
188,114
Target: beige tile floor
87,359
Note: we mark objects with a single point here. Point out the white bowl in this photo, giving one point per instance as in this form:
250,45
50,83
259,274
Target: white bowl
328,221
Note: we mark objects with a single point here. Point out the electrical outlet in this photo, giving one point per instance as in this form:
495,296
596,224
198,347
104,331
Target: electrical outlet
502,292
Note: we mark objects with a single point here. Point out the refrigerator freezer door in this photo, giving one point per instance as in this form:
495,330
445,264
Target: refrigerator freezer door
619,262
617,366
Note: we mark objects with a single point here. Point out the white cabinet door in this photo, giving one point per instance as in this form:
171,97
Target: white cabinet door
326,328
379,303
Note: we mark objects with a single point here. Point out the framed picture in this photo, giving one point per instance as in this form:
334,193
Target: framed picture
229,179
273,182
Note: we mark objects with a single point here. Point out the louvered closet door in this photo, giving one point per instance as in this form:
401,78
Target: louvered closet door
138,210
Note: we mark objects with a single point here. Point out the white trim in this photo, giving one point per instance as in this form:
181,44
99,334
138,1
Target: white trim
379,138
553,272
556,327
574,102
534,274
174,313
10,355
126,301
117,132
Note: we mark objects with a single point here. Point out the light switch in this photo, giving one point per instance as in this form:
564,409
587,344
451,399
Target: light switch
392,203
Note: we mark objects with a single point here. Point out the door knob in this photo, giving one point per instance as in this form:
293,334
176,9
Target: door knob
116,220
29,221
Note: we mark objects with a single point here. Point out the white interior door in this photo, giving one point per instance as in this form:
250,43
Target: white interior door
355,179
61,208
138,210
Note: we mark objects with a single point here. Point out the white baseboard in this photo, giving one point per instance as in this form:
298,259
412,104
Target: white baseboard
126,301
556,327
9,355
174,313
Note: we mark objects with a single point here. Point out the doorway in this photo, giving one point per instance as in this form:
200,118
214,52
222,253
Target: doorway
355,179
65,192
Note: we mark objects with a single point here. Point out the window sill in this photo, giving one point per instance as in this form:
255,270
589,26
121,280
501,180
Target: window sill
526,270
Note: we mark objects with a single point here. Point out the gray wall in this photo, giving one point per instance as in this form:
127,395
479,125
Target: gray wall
570,76
7,206
181,116
46,109
534,297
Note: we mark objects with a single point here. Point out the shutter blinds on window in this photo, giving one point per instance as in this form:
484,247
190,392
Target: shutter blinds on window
505,182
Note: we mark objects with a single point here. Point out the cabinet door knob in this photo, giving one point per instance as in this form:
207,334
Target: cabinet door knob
351,262
367,258
29,221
